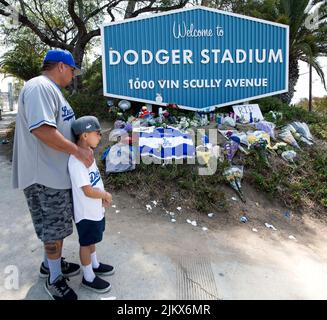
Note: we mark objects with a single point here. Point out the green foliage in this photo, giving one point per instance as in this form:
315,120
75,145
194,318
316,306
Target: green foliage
318,118
320,105
176,181
86,104
24,61
92,78
10,131
270,104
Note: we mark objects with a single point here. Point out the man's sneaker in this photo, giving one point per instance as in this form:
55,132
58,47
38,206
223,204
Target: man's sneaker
104,270
59,290
97,285
68,269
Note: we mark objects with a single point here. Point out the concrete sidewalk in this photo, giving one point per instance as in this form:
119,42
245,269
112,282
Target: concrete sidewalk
156,259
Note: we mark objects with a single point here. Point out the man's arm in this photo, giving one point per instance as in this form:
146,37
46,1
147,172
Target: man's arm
54,139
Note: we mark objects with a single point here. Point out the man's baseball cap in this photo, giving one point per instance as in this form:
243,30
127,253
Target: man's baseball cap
85,124
63,56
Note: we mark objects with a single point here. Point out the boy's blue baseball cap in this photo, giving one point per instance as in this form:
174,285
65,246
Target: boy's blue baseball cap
63,56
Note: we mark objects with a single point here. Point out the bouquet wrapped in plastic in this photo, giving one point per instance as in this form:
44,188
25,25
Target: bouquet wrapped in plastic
254,137
267,127
289,156
230,149
287,136
119,124
302,132
234,175
260,147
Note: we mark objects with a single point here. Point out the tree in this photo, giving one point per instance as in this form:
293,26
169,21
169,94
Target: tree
24,60
307,43
72,24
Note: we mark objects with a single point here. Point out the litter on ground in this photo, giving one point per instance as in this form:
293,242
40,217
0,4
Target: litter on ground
243,219
270,226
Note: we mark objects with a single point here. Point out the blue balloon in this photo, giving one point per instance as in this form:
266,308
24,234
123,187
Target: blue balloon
124,105
205,139
236,139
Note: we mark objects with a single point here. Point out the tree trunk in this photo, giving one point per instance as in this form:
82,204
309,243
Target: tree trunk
205,3
130,8
310,87
78,54
293,77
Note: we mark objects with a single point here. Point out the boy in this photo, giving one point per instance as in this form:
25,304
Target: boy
89,197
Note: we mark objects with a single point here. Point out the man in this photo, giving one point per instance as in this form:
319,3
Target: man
42,146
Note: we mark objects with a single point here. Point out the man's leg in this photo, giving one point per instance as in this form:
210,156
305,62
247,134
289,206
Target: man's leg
53,250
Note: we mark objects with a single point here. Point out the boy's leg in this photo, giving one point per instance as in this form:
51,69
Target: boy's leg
94,260
90,280
85,256
53,251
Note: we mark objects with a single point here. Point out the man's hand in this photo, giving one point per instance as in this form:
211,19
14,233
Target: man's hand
85,155
50,136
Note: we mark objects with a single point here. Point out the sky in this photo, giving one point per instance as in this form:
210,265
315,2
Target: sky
302,86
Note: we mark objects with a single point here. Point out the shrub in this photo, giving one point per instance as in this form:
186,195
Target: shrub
86,104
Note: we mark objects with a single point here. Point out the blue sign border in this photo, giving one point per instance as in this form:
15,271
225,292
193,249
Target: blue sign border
208,108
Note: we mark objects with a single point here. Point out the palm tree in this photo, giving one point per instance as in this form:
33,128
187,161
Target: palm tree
25,59
306,44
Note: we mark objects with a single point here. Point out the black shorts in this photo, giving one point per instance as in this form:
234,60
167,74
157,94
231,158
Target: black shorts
90,232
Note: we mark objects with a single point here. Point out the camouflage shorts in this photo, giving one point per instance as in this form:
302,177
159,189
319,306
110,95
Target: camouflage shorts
51,211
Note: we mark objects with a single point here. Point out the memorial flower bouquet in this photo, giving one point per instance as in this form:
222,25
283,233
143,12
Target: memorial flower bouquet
230,149
234,175
260,148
